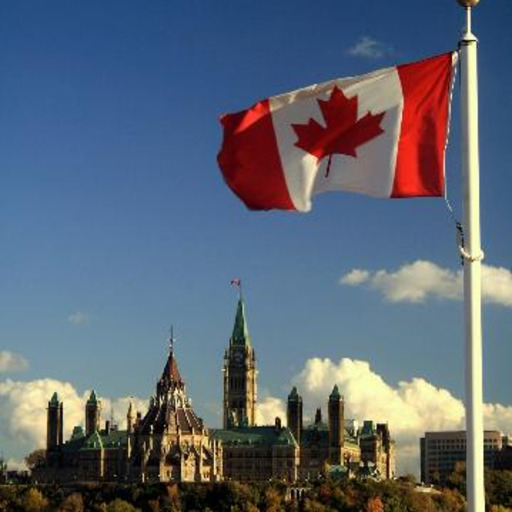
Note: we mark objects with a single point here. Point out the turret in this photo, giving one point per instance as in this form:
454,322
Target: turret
55,417
130,418
336,426
294,414
92,414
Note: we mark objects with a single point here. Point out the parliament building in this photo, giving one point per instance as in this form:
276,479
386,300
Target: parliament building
170,443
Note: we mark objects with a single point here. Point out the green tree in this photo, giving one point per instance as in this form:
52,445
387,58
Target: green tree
498,487
119,505
8,496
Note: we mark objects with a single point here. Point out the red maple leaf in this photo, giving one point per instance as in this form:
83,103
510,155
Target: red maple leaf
343,132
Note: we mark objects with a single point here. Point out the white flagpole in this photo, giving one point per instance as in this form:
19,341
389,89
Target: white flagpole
472,253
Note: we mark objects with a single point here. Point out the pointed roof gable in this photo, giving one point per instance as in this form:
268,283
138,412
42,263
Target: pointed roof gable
335,395
171,372
294,395
170,408
54,399
240,334
93,399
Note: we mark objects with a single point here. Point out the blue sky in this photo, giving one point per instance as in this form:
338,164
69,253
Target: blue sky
115,222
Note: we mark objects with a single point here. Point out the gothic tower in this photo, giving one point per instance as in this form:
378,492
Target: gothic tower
130,418
240,375
336,426
55,417
294,414
92,414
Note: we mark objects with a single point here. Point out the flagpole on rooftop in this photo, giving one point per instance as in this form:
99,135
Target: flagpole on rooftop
472,254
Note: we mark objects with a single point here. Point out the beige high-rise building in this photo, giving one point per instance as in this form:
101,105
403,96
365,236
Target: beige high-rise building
442,453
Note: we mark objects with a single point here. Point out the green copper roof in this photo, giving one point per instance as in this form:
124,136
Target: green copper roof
368,428
55,399
114,439
337,471
92,399
335,395
78,433
93,442
254,436
294,395
240,334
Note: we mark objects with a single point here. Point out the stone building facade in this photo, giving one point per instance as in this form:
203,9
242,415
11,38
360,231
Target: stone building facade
254,453
339,443
170,443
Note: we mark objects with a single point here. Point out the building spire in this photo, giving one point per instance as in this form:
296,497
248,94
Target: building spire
240,335
171,377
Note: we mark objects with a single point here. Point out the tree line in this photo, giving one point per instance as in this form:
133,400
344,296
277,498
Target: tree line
327,495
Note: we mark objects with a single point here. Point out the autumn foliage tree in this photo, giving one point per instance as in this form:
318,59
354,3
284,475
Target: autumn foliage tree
72,503
33,501
35,459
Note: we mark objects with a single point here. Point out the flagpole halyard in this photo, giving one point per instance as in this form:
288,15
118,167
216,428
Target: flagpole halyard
472,266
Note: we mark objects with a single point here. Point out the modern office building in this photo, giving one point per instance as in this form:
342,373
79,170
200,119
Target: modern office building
442,453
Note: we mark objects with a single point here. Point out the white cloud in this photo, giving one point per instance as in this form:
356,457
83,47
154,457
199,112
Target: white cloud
23,412
410,408
120,408
355,277
497,285
78,317
11,362
268,409
421,280
369,48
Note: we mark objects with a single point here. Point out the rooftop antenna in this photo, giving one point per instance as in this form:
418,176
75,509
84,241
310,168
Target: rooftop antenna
172,340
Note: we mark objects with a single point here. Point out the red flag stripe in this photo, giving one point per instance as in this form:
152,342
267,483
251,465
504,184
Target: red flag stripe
250,161
426,87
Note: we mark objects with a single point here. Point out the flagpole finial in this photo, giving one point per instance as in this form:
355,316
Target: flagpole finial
468,3
467,35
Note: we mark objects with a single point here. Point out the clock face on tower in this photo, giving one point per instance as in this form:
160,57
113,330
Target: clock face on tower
238,357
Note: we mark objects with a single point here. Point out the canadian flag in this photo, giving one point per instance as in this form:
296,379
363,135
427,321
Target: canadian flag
383,134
